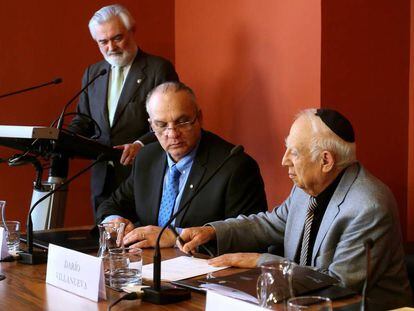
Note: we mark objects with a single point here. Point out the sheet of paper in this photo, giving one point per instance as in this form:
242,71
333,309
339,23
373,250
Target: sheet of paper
180,268
230,292
217,301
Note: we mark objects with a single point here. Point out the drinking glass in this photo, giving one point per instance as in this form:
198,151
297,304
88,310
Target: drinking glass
111,236
274,284
12,231
309,303
125,267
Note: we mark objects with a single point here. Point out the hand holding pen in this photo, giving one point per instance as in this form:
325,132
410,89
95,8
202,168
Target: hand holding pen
181,243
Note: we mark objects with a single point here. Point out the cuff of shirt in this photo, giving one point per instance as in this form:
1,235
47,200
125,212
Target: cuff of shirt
139,142
110,218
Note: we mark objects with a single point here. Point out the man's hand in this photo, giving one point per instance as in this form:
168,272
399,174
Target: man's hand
144,237
129,152
239,260
196,236
129,226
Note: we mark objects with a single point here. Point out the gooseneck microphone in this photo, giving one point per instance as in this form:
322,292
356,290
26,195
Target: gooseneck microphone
54,81
368,244
162,294
62,115
31,257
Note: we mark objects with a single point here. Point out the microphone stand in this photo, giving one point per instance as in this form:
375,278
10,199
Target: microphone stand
62,115
167,294
55,81
32,257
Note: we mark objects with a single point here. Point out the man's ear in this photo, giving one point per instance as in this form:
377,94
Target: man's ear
327,161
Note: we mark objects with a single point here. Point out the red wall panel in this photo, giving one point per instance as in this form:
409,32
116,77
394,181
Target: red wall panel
410,180
365,74
41,40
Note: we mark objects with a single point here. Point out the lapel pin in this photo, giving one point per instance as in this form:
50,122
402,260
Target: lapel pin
139,81
191,186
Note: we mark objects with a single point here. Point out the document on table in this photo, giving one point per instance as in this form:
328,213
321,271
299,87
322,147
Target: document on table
180,268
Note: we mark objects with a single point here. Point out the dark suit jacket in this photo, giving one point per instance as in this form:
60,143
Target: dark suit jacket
131,118
236,189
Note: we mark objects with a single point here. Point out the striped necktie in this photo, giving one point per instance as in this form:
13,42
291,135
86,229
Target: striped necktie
117,80
307,230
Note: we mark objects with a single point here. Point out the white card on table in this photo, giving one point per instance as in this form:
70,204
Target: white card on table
4,251
76,272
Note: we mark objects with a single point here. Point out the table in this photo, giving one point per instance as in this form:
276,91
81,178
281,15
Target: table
25,288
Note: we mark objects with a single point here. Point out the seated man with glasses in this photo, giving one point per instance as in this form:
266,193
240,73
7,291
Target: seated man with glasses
167,173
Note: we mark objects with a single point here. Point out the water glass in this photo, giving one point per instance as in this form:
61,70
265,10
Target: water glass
12,231
125,267
274,284
309,303
111,236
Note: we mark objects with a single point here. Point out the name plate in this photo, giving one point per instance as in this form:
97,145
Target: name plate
4,251
76,272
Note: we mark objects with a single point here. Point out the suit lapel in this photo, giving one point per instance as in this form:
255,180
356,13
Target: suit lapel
333,208
102,99
198,170
134,80
157,181
295,236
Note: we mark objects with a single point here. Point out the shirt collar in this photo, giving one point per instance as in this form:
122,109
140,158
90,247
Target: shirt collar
326,195
127,67
185,162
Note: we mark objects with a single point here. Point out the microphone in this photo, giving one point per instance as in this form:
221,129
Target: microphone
31,257
162,294
55,81
368,244
62,115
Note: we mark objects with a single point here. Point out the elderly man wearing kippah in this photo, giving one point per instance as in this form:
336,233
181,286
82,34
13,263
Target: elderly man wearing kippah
334,207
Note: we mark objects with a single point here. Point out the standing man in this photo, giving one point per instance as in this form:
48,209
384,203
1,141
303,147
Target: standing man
116,101
334,208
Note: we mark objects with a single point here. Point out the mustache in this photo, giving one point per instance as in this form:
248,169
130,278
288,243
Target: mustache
115,53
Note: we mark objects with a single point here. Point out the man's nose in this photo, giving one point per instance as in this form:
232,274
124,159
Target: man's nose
285,160
111,46
172,132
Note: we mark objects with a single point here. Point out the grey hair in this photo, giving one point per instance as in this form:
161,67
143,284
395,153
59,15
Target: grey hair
172,87
106,13
324,139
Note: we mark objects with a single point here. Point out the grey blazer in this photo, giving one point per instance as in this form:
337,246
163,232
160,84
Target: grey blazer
362,207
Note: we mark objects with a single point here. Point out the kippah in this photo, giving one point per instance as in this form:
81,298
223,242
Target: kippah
337,123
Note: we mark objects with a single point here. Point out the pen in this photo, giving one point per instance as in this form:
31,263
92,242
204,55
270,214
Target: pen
197,255
179,239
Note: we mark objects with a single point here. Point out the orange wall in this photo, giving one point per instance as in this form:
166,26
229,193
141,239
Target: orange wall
253,65
41,40
365,74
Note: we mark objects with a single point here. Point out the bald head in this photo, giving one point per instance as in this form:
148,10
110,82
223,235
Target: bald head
175,118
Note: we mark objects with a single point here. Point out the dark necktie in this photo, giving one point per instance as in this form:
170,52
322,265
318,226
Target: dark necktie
307,230
169,194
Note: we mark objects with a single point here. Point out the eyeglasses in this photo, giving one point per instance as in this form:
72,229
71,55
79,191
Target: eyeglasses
161,128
